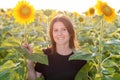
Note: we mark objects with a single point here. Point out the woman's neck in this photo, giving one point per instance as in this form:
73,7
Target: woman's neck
63,50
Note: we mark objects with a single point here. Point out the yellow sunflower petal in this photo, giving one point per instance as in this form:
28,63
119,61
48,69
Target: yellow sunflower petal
109,13
23,12
104,9
99,7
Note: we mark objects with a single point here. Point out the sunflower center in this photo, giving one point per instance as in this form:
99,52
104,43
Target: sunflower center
92,11
25,11
107,11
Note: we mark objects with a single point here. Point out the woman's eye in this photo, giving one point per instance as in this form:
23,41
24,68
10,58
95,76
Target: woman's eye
55,30
64,29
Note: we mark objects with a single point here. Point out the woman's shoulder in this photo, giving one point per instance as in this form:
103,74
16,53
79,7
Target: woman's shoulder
47,51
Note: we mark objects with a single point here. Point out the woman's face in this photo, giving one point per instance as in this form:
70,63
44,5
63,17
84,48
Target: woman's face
60,33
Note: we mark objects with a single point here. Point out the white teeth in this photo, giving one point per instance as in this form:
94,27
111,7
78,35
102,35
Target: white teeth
60,38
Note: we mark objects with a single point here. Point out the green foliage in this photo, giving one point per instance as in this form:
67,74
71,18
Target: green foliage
81,55
99,42
83,73
100,46
35,57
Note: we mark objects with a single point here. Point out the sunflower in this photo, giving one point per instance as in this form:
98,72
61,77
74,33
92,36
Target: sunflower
81,19
90,12
104,9
24,13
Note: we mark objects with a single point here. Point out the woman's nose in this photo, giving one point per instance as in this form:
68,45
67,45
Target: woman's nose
59,32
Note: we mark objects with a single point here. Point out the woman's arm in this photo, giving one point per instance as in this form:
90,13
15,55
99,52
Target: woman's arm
31,73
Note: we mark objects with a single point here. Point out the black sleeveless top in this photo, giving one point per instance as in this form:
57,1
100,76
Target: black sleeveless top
59,68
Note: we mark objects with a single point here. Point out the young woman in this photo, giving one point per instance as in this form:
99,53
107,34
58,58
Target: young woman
62,37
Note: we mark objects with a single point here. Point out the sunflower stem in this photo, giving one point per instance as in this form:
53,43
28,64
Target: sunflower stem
25,34
25,41
100,51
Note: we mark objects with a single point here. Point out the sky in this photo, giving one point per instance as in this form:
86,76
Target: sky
67,5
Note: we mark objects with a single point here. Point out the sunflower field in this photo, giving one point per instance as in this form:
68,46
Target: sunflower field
98,35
